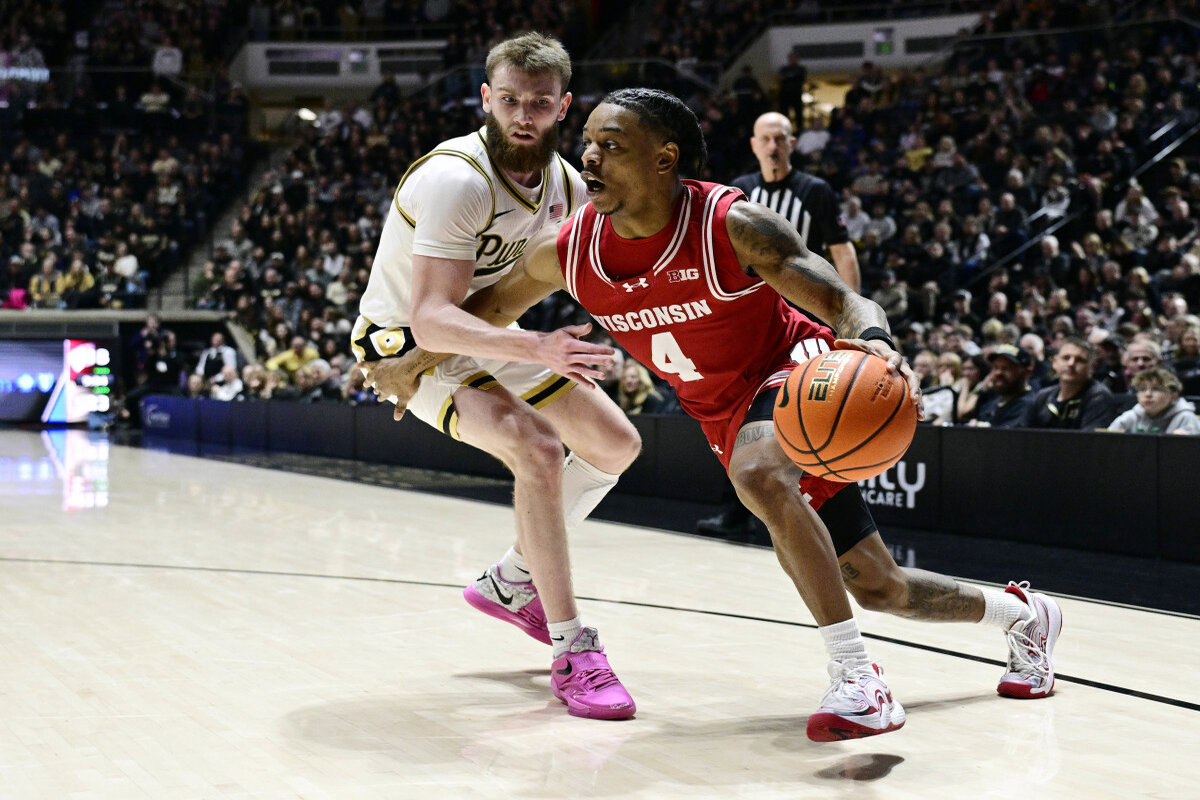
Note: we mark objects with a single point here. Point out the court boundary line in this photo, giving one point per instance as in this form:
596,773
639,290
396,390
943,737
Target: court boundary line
1108,687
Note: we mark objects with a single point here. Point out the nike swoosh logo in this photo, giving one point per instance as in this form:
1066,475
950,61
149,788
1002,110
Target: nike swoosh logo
566,670
495,217
558,638
506,599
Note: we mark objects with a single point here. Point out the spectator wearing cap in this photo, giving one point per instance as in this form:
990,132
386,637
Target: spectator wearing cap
1077,401
1159,407
1005,394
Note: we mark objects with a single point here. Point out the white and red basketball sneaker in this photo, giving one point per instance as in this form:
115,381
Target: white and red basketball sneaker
858,703
516,603
1031,645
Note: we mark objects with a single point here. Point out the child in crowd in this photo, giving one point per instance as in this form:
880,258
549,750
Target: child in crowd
1159,407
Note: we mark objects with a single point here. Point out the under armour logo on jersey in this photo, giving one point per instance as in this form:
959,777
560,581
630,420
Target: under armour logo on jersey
680,275
642,283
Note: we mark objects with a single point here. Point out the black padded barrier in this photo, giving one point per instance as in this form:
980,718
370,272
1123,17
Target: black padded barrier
1103,492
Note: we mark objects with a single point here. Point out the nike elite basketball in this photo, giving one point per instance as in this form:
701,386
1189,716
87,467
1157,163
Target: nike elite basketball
844,417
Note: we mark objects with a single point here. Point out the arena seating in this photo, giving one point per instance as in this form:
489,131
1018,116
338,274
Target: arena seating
1010,168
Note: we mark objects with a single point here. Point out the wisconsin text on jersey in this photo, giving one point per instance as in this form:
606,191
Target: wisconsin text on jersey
655,316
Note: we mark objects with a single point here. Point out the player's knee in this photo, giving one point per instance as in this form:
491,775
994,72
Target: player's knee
760,483
626,444
887,593
531,445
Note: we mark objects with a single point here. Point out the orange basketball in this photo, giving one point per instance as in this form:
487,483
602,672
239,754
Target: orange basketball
844,417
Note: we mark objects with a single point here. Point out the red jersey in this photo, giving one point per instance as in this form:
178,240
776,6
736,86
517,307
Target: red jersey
679,302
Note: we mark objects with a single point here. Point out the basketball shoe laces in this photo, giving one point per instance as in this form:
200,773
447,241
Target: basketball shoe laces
844,681
594,678
1025,656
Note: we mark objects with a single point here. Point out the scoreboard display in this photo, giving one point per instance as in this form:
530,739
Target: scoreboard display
55,380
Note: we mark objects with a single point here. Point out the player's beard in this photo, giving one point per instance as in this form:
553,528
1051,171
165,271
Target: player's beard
512,157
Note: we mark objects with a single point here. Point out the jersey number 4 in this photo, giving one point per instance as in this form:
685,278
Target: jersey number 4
669,359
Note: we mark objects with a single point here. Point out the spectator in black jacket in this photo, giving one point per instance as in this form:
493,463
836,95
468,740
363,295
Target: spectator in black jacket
1076,402
1006,396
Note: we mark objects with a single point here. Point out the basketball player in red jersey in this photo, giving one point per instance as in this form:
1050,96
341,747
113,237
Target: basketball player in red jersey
692,281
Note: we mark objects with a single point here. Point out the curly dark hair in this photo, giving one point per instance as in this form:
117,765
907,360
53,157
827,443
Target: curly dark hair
668,116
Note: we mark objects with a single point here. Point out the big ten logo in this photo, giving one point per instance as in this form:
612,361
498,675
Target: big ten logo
900,492
680,275
500,252
826,375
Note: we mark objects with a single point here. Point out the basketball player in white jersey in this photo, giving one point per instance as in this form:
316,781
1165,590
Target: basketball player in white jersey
459,221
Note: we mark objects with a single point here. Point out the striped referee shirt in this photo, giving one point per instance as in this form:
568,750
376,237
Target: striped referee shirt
807,202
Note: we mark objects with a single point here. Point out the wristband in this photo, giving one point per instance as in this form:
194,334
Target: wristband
880,334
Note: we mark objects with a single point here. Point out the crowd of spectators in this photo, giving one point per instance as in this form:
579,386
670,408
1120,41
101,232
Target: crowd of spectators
947,174
113,161
944,172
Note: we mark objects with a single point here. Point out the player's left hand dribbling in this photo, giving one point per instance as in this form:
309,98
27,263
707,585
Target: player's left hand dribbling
896,364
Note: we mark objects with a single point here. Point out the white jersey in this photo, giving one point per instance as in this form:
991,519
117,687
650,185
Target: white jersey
454,203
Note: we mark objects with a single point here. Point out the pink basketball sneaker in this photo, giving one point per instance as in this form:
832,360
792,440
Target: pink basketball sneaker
583,680
1030,646
516,603
857,703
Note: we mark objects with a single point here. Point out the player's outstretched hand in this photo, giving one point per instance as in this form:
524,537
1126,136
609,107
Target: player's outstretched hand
565,352
392,379
896,364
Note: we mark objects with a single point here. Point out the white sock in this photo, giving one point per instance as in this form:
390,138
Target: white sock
1002,608
844,643
583,487
563,634
513,567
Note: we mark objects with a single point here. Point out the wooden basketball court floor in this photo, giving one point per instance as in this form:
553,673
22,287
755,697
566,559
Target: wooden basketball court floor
178,627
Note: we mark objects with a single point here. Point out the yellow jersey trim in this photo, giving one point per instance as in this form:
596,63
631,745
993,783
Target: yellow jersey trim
475,164
548,391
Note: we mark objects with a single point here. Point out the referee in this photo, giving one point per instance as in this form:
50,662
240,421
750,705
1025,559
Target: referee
812,207
808,202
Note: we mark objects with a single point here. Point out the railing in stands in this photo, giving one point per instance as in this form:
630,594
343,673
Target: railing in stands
1035,241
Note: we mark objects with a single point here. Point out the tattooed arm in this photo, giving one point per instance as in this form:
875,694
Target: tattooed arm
767,245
